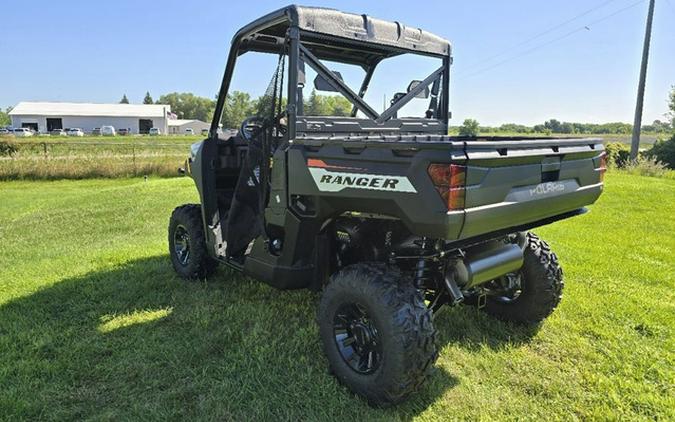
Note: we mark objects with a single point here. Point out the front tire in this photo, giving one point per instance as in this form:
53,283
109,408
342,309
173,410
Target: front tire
377,332
531,294
187,243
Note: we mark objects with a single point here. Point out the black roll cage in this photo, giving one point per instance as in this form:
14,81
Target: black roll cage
282,32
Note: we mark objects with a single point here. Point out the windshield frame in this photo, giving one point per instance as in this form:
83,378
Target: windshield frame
297,42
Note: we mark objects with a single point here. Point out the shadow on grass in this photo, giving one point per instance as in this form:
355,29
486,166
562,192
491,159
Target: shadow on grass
473,329
137,342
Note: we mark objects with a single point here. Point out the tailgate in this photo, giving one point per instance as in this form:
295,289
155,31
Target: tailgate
515,182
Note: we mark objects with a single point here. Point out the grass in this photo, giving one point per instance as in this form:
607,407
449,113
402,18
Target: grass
129,139
95,325
45,157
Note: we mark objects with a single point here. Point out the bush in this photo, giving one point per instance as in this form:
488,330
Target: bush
664,151
8,148
469,128
645,166
618,154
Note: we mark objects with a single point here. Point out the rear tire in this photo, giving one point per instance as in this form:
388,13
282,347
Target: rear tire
377,332
187,243
541,285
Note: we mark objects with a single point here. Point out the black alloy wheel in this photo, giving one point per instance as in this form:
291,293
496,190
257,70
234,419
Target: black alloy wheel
181,244
357,339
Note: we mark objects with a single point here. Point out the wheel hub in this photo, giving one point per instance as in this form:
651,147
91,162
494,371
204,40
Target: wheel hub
181,244
356,338
362,334
508,288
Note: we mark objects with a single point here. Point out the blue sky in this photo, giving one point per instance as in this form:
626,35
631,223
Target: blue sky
96,51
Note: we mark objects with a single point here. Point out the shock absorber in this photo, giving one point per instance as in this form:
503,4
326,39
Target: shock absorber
422,268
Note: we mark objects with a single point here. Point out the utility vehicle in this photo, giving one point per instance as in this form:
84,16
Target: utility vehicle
386,215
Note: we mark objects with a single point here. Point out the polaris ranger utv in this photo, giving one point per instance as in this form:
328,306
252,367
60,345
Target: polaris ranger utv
387,215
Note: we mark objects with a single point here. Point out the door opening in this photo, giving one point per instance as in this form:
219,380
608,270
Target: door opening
53,124
144,126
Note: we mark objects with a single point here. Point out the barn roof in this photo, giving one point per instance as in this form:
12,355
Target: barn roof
179,122
26,108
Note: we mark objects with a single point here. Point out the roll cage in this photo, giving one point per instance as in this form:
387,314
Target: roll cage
309,35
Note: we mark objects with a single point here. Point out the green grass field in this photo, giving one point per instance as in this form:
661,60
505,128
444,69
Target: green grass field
45,157
94,324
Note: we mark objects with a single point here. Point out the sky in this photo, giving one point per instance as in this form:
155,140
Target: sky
522,61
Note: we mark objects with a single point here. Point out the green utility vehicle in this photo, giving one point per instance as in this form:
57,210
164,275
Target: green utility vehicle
384,214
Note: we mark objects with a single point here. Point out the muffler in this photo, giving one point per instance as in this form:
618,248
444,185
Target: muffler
487,262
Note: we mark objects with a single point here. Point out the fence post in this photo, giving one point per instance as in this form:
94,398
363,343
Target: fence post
133,152
44,148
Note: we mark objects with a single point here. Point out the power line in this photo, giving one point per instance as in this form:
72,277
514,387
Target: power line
541,34
537,47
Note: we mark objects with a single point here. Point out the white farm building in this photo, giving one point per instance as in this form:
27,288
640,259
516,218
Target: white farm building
181,126
46,116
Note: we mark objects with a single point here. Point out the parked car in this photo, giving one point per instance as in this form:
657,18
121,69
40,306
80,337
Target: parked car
96,131
107,131
205,132
4,131
123,132
154,131
58,132
23,132
189,131
75,131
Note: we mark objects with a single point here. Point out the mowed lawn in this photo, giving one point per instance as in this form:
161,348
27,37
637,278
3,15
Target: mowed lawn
95,325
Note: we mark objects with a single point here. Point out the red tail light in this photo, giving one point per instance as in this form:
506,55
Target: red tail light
450,182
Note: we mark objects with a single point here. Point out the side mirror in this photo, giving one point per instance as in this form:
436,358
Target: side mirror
423,94
320,84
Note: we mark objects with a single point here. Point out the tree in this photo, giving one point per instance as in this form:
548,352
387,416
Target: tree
567,127
189,106
124,99
147,99
327,105
553,125
671,106
469,128
664,151
238,106
4,117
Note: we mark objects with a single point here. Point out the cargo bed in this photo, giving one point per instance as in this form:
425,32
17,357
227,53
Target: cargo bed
509,181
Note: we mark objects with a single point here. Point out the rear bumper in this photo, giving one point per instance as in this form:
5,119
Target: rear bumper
516,211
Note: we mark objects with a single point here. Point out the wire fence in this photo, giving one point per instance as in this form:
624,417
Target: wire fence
52,160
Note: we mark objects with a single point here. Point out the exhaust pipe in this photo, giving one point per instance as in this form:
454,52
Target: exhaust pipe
487,262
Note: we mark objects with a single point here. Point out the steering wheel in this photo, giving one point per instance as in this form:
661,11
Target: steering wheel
250,126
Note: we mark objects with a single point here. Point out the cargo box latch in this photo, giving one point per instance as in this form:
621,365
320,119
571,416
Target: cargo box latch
550,169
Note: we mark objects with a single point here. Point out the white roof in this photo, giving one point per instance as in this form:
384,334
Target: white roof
181,122
28,108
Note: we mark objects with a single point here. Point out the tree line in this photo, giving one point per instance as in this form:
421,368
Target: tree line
471,127
240,105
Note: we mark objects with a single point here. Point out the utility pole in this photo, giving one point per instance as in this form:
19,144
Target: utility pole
637,122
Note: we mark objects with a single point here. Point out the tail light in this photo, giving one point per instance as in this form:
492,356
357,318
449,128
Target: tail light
450,182
602,168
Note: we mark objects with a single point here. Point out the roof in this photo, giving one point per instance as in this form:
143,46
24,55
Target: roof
181,122
89,109
348,26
